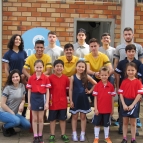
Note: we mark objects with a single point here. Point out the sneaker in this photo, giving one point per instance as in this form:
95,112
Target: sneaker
120,131
124,141
41,139
107,140
6,132
51,139
82,138
96,140
137,132
12,131
36,140
75,138
65,138
116,123
139,124
134,141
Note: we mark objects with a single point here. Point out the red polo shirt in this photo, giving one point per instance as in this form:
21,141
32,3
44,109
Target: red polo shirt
58,92
38,85
130,88
104,97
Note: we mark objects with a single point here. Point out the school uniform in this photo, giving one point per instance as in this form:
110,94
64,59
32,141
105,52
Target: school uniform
38,90
130,89
104,94
58,97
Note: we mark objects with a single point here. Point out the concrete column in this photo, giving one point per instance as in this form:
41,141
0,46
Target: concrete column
0,45
127,15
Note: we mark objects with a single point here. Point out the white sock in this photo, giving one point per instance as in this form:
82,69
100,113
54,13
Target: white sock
106,132
74,133
96,132
82,133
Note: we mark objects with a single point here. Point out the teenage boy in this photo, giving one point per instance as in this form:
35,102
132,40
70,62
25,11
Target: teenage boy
80,47
69,60
52,49
120,75
95,60
28,68
120,53
58,100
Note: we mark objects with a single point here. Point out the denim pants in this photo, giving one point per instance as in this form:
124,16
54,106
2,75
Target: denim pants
12,120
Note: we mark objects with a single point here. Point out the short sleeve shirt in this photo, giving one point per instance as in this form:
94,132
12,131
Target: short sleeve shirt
58,92
121,54
81,51
29,64
109,52
97,63
14,97
38,85
69,67
141,72
15,60
104,96
54,52
121,67
130,88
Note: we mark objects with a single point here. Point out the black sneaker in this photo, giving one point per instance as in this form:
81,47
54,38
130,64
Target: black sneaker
51,139
12,131
36,140
41,139
134,141
124,141
6,132
120,131
65,138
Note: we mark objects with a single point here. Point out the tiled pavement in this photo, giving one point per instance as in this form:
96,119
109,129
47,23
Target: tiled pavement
26,136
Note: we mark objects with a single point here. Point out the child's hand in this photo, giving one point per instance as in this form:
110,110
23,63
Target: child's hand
130,107
46,107
20,108
71,104
96,112
125,107
87,91
29,106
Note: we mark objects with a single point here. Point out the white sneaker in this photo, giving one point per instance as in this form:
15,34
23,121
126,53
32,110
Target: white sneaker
82,138
75,138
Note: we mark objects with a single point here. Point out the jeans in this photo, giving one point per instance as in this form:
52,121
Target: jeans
11,120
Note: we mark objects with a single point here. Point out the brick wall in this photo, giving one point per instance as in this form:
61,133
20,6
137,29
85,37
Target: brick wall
22,15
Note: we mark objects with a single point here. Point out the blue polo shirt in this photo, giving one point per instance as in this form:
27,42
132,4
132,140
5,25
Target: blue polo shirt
141,72
122,67
15,60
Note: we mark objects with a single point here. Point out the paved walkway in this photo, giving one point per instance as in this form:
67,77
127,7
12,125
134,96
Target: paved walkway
26,137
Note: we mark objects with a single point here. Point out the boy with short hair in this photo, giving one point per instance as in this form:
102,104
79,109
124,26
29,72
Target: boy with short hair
120,75
104,104
58,101
69,60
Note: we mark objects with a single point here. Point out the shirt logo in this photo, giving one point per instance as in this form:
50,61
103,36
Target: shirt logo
40,107
43,85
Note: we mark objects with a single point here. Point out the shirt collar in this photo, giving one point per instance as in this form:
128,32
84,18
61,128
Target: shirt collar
41,77
72,61
130,61
81,46
107,85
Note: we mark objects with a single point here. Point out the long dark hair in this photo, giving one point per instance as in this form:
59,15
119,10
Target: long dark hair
9,79
12,40
132,65
83,76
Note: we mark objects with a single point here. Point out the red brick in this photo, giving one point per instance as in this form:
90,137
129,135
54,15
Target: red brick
45,5
22,9
4,27
46,14
60,29
31,9
45,24
41,10
22,28
89,11
4,17
102,7
93,15
35,14
12,18
41,18
16,32
50,19
63,33
55,24
26,4
55,5
36,23
31,18
108,12
140,13
7,22
60,10
7,13
83,6
69,19
16,23
64,24
21,18
16,13
65,15
36,4
73,6
7,32
70,11
79,10
7,4
84,15
137,8
4,8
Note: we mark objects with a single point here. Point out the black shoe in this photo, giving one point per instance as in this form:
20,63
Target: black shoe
6,132
12,131
41,139
134,141
120,131
36,140
137,134
124,141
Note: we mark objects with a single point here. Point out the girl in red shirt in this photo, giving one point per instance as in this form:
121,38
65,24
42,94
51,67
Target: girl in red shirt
38,90
130,94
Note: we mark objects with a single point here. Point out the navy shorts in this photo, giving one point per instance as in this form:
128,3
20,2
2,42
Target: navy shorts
134,113
57,114
37,101
102,119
